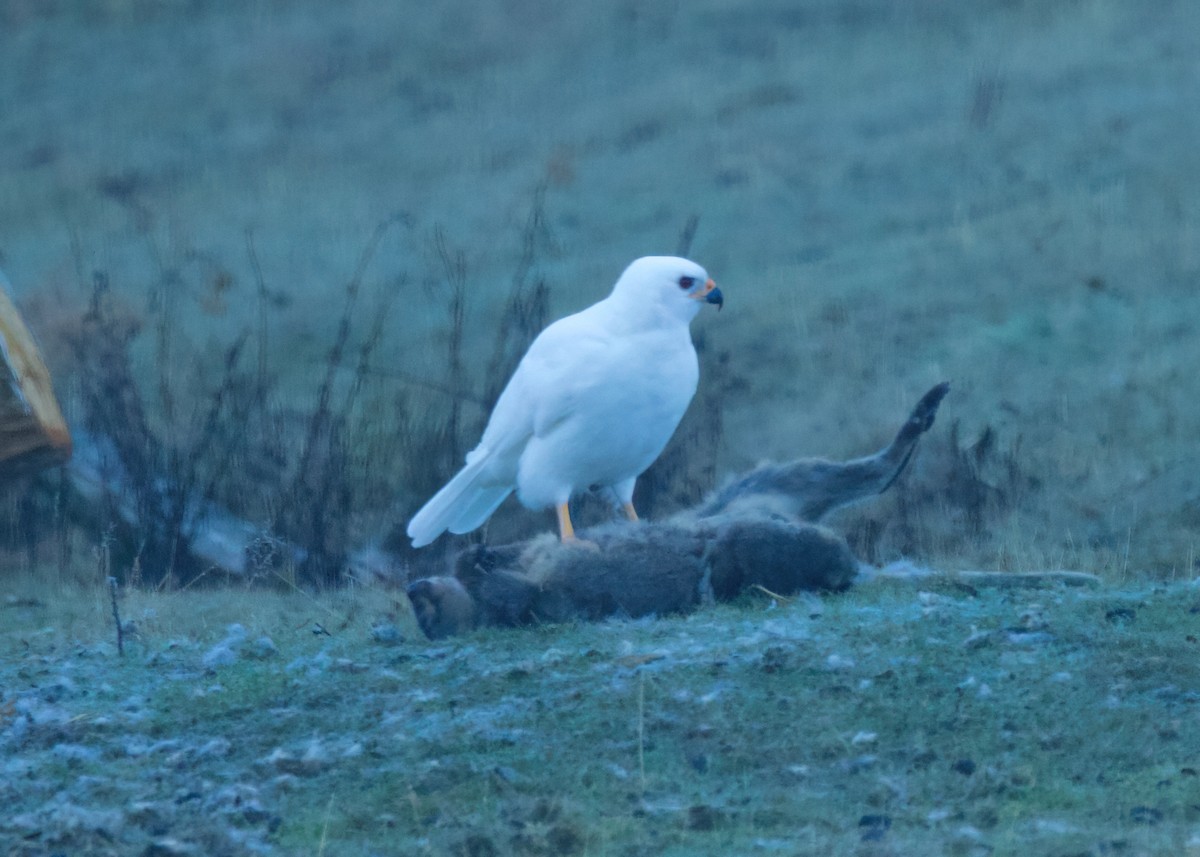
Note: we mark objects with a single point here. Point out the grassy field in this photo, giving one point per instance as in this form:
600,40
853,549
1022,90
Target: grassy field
891,195
1002,194
939,718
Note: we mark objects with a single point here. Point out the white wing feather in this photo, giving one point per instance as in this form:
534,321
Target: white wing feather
490,474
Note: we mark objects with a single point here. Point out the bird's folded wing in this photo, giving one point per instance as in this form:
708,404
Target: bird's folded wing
555,371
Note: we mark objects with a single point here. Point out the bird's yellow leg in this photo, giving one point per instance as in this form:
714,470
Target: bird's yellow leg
565,531
630,512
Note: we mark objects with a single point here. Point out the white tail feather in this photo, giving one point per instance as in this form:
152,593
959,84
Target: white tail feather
473,514
461,501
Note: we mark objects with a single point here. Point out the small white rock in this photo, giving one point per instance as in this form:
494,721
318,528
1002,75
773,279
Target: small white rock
969,833
216,747
285,783
74,753
236,631
977,639
386,634
220,655
1055,826
838,662
263,647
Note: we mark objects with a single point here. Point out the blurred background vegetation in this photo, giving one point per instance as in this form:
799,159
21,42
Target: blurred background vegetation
284,254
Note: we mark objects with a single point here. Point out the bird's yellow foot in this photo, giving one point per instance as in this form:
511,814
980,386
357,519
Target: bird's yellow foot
566,531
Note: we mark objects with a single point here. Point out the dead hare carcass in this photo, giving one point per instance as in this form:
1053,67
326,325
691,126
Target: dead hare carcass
760,530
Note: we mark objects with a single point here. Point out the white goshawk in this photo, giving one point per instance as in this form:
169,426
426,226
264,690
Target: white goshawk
591,404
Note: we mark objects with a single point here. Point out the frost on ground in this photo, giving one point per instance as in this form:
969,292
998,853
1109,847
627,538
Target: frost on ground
933,716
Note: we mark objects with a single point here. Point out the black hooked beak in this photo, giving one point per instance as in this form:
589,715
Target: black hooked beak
715,297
